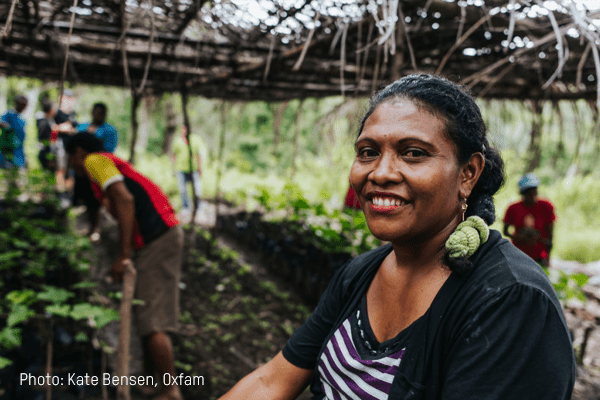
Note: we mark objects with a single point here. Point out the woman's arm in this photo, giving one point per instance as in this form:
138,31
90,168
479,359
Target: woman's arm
277,379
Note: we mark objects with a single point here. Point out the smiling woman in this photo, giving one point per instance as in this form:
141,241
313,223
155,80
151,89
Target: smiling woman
447,309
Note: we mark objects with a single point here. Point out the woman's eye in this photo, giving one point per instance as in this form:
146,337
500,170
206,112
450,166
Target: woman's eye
366,153
414,153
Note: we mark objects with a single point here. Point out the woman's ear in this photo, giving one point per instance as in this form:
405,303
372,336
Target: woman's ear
470,173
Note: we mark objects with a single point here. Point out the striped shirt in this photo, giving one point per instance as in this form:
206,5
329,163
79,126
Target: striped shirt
350,369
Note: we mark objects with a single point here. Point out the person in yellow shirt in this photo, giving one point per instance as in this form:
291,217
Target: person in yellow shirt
188,172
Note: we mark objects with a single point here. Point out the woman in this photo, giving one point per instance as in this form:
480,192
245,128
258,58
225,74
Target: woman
417,319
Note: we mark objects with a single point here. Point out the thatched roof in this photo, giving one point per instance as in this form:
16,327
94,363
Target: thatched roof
282,49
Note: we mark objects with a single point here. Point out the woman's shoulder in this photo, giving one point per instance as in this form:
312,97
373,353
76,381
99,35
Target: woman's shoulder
500,267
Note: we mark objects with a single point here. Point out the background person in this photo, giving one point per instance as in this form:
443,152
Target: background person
100,128
13,119
47,135
414,318
532,221
82,189
148,226
181,162
67,123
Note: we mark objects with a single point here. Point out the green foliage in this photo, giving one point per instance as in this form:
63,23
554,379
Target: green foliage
35,239
567,286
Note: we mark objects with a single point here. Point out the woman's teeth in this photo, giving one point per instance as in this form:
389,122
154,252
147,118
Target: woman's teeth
386,202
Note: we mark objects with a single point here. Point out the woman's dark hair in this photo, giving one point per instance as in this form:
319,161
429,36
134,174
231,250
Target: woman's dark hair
86,141
464,126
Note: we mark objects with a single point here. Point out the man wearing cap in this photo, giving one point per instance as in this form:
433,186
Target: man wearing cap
533,221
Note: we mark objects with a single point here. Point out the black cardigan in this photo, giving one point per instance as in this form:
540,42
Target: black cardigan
496,332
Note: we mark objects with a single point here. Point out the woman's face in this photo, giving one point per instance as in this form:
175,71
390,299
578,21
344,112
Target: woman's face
406,173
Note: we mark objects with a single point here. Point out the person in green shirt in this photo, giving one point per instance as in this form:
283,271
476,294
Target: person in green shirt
181,161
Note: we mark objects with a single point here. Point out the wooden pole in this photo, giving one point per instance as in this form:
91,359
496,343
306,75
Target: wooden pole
103,370
296,137
220,158
135,102
49,361
186,123
125,329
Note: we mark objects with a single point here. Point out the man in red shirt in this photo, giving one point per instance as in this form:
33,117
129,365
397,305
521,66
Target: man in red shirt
532,220
149,228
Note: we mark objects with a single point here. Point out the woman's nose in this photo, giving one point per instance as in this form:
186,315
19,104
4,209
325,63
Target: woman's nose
385,170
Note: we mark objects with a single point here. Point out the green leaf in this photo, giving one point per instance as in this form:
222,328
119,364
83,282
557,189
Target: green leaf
83,311
580,278
10,338
21,244
60,310
108,315
19,313
10,255
81,337
55,295
301,204
4,362
26,296
84,285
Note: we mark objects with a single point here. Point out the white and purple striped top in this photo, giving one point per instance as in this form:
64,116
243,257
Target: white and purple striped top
347,375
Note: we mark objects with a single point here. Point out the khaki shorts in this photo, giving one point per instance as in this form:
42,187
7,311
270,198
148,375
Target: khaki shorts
158,270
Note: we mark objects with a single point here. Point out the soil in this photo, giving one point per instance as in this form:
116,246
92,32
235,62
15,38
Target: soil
234,316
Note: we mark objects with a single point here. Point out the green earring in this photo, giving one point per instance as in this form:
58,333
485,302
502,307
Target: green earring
467,237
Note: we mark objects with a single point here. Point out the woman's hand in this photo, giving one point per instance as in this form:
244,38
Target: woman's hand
276,380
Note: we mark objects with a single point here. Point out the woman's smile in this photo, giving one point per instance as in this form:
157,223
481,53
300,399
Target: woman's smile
385,202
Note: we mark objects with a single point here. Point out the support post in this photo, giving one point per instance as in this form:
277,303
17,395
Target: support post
129,278
135,102
220,160
186,123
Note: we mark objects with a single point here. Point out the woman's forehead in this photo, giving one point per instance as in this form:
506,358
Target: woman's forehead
404,114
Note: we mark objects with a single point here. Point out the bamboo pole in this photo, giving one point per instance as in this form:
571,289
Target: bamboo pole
129,278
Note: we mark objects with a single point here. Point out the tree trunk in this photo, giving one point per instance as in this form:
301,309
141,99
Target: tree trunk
596,129
579,134
220,158
186,123
278,112
170,126
560,147
144,128
135,102
297,132
534,150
